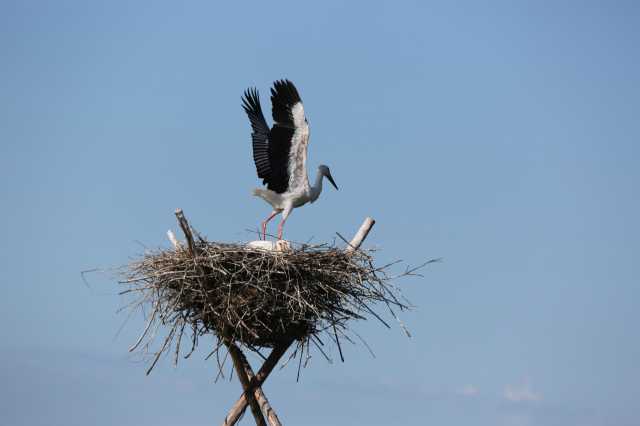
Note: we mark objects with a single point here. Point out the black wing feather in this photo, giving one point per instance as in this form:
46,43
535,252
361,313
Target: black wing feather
259,134
271,147
283,97
279,148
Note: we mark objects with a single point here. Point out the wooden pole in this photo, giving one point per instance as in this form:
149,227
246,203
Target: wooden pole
186,230
255,386
240,364
256,382
234,351
360,236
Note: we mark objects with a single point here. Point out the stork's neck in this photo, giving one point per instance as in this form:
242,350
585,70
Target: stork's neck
316,189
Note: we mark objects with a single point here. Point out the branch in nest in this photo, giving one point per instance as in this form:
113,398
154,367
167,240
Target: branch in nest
257,298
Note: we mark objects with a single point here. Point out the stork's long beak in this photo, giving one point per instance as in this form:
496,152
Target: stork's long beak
332,181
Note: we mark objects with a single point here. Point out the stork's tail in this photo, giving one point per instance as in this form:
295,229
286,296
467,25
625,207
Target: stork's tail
269,196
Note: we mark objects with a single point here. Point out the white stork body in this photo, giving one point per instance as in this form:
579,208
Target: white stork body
280,154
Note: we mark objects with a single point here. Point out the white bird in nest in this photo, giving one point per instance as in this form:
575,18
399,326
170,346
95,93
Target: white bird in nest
280,154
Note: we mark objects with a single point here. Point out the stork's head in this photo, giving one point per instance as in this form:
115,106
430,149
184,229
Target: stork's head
324,170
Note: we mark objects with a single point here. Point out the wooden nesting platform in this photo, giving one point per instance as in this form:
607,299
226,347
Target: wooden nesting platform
254,296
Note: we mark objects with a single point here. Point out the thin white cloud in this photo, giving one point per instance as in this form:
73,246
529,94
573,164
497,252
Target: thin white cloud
468,390
521,392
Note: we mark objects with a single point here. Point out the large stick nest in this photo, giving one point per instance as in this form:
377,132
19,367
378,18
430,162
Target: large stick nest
255,297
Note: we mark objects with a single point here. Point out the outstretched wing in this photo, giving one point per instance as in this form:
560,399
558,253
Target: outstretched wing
280,153
259,133
288,137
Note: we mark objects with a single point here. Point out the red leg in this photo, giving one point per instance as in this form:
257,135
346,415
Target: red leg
264,224
285,215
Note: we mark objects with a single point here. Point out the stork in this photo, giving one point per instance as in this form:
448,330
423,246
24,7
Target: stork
280,154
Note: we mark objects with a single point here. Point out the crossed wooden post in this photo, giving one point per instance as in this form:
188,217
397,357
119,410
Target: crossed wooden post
252,394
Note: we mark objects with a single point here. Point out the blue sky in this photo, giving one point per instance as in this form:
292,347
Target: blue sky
501,136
